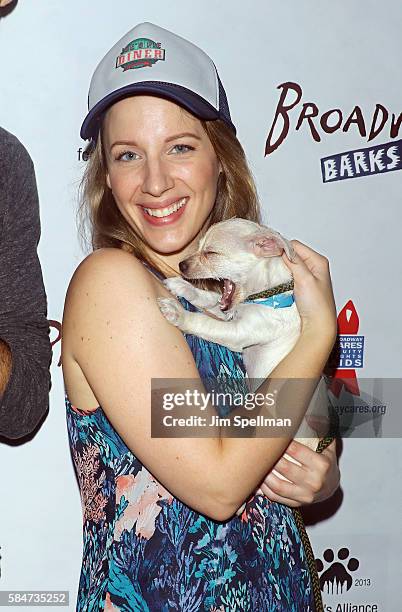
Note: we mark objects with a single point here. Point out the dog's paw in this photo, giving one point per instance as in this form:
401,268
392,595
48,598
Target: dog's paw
171,310
179,286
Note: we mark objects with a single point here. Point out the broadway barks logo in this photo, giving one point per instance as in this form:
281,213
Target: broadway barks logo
139,53
364,161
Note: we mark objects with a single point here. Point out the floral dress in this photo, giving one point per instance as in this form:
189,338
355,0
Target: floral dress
145,550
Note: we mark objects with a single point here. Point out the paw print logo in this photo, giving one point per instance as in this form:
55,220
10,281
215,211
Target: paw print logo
336,577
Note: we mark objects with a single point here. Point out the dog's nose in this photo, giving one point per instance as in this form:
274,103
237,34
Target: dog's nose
183,266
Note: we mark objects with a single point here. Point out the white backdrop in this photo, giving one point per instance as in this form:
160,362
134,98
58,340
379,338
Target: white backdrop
342,55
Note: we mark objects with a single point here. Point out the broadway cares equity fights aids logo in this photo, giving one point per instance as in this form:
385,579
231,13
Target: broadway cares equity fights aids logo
365,161
139,53
348,353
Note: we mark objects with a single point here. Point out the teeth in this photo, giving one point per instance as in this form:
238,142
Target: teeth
164,212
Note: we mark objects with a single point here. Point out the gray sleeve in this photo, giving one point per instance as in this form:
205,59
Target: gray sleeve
23,308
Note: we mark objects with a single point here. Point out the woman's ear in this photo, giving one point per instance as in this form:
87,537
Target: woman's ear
108,183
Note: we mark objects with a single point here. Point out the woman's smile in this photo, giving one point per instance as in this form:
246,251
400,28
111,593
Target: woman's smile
165,213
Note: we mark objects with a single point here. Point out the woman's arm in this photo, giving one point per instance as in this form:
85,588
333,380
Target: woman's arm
316,478
113,329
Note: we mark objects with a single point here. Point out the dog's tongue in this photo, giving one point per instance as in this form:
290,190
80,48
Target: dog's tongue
227,295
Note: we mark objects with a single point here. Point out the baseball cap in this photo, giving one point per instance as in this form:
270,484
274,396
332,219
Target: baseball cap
152,60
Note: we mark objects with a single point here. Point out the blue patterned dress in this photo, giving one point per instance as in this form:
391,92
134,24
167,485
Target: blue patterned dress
144,550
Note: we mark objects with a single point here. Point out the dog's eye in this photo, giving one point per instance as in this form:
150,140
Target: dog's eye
210,253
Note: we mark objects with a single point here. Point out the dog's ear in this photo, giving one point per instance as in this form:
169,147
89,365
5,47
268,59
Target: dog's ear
270,244
287,247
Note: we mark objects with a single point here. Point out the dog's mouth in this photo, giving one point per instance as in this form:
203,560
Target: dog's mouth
226,298
224,286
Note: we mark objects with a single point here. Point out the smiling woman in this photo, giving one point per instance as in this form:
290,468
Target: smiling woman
160,527
171,164
184,145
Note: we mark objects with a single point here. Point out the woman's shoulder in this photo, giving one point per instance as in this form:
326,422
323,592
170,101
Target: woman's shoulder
110,293
109,287
104,275
113,265
108,257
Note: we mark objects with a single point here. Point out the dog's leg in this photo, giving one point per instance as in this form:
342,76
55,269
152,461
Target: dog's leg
234,334
198,297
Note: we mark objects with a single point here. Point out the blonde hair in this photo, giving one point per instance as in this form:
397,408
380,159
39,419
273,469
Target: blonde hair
101,221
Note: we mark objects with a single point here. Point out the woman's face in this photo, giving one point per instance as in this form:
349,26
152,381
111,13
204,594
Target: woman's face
162,170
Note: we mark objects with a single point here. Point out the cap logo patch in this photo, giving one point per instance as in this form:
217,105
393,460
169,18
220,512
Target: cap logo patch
139,53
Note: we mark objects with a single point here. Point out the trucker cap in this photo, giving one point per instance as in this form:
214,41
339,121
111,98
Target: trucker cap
152,60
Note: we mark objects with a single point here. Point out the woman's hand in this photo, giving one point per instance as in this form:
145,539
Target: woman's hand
316,479
313,289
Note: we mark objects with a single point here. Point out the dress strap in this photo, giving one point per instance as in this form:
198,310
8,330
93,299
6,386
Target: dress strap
185,303
153,270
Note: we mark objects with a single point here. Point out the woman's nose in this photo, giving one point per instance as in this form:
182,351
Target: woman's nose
157,178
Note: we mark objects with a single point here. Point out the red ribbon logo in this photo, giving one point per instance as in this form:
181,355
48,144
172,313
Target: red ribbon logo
348,324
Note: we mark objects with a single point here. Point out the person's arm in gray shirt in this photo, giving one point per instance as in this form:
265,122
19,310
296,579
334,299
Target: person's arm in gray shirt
25,351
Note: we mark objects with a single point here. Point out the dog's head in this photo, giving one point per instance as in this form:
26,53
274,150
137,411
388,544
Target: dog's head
246,256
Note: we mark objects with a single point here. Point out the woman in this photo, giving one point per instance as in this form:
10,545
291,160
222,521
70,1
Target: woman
160,530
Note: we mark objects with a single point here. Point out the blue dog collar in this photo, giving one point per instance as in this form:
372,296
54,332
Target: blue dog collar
281,300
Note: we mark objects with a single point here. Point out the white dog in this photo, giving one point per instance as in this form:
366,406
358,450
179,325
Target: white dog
247,257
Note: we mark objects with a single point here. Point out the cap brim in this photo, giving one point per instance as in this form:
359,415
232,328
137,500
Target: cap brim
175,93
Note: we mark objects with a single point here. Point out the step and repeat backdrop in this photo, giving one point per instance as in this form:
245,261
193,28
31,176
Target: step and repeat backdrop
315,91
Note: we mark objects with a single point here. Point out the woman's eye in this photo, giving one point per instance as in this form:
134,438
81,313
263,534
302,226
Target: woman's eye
126,156
182,148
